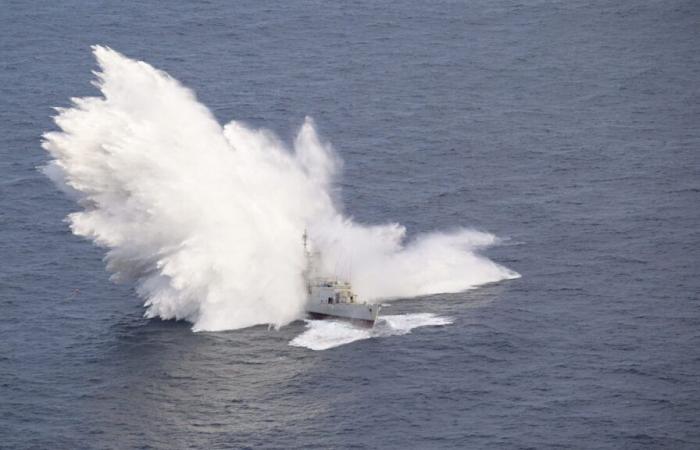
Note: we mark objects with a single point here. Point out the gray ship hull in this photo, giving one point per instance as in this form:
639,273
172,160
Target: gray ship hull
361,313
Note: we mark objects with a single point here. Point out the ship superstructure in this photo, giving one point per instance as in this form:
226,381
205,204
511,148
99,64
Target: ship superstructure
331,297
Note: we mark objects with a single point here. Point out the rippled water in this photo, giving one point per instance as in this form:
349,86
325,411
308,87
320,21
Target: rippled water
569,129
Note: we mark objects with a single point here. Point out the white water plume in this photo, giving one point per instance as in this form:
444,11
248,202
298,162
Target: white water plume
207,220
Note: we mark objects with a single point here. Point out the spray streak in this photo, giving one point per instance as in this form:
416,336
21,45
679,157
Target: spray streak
207,220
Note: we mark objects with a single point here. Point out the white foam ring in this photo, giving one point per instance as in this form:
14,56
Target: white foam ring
325,334
207,220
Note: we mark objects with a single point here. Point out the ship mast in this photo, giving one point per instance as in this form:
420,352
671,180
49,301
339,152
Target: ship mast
307,266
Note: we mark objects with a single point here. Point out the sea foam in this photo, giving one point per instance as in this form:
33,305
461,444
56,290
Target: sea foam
326,334
206,220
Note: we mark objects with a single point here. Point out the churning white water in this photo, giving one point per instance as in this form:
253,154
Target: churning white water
207,220
325,334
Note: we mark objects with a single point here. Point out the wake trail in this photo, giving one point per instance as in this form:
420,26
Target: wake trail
327,334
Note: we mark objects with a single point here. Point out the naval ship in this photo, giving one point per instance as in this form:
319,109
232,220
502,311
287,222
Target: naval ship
334,298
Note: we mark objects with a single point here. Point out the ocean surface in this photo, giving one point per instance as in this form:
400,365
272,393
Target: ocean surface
570,130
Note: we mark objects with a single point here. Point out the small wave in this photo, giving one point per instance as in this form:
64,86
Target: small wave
325,334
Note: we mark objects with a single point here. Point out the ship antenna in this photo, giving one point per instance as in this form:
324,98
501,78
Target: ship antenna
308,269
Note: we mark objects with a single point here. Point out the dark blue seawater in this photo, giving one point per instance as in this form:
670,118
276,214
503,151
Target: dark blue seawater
568,128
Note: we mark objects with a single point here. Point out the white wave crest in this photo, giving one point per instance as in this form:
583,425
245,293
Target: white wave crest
207,220
325,334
